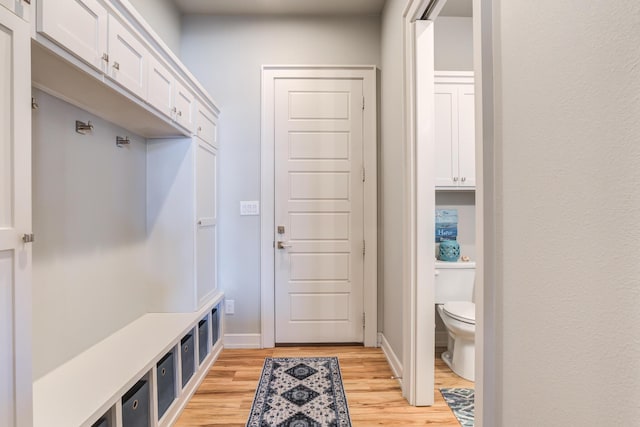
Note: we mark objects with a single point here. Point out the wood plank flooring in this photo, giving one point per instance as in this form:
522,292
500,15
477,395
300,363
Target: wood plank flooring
225,396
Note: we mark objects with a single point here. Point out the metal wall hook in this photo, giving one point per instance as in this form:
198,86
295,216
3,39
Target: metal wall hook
34,104
83,128
122,140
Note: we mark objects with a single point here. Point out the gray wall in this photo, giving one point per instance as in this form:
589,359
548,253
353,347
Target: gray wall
453,38
391,161
568,209
89,216
164,17
226,55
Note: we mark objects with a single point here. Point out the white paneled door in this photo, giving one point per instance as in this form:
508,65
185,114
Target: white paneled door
319,210
15,222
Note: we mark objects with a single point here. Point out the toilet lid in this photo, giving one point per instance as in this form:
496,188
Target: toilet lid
463,311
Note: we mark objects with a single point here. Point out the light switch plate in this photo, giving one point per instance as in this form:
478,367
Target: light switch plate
249,207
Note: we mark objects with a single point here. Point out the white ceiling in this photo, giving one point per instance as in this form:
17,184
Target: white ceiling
304,7
281,7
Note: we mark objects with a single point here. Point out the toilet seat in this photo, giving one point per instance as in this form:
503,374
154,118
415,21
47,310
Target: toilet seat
464,311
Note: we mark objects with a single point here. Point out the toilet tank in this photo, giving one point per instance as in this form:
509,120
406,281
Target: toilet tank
454,281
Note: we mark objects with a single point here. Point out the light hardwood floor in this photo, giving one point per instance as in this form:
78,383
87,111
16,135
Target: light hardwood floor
225,396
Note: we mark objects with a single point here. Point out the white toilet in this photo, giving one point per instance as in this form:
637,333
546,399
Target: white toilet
454,283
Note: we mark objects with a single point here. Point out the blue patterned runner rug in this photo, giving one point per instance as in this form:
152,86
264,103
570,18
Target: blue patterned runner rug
461,402
300,392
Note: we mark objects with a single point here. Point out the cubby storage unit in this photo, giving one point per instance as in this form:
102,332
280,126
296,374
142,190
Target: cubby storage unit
187,354
136,407
123,348
97,379
203,339
215,325
166,383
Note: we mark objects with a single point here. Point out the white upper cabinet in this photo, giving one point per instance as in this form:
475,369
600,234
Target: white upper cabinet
207,126
455,131
160,87
146,89
80,26
127,58
184,102
466,136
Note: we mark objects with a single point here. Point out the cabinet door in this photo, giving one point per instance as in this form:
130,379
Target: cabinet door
183,101
206,165
466,136
446,135
80,26
207,126
160,87
15,220
127,58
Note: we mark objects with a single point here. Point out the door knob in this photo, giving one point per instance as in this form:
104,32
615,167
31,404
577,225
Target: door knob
282,245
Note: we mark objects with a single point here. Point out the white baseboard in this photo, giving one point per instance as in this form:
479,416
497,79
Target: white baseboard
242,341
394,362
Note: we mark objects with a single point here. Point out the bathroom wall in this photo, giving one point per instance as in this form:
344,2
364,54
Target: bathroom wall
453,37
464,202
89,219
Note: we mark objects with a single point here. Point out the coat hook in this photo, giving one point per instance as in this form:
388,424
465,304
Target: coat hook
83,128
122,140
34,104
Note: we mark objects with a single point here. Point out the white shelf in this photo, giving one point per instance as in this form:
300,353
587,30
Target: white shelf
97,378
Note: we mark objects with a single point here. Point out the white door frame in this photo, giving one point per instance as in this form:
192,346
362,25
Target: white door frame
270,73
487,392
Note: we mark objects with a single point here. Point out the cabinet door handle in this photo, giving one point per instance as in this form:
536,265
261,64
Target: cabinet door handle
199,128
116,66
455,179
464,178
180,113
105,57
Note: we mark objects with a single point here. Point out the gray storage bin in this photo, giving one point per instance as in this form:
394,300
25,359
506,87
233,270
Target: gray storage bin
215,326
135,406
188,361
166,383
102,422
203,338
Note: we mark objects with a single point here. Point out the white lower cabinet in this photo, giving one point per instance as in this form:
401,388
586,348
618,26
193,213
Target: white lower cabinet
455,131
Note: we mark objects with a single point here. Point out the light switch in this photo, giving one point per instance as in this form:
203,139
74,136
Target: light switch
249,207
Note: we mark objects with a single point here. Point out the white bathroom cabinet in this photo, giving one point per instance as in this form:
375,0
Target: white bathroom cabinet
455,130
15,221
100,56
